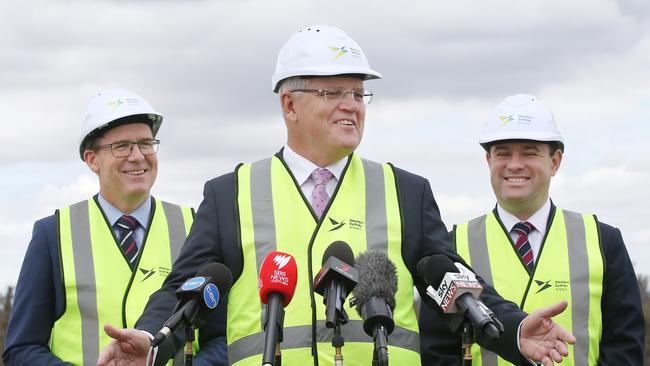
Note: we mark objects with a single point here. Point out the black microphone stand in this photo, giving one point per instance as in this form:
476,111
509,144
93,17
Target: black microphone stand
278,351
272,354
337,340
468,339
336,316
380,352
189,338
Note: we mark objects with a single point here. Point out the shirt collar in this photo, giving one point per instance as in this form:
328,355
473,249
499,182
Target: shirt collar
141,213
301,167
539,219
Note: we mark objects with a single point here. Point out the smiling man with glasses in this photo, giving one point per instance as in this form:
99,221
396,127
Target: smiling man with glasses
315,191
98,260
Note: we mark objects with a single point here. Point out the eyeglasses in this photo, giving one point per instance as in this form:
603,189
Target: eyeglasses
338,95
122,149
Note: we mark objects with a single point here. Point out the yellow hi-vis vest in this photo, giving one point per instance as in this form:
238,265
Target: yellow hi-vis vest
569,267
275,216
100,287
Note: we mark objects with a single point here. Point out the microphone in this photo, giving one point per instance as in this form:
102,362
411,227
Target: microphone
455,289
335,281
198,296
374,298
277,284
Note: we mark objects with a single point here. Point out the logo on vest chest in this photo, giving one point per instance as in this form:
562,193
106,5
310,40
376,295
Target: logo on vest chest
353,224
146,273
559,286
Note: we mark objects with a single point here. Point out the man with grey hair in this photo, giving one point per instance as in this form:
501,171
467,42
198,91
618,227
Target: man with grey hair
315,191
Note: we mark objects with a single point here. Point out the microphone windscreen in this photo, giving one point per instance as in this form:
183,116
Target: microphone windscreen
377,278
219,274
341,250
278,274
434,267
219,282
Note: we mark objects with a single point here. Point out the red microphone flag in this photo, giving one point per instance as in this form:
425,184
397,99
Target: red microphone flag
278,274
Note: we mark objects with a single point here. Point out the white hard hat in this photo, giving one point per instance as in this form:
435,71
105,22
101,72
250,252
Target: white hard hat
521,117
108,109
321,50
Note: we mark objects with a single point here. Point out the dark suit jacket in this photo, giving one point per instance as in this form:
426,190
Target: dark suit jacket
214,238
622,341
40,301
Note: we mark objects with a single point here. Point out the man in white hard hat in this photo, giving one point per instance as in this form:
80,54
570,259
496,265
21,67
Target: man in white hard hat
98,261
316,190
536,254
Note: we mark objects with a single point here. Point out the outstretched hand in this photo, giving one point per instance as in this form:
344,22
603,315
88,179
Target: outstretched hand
541,339
128,348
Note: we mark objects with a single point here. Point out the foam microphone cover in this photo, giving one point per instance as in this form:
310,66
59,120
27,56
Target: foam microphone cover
341,250
434,267
377,278
278,274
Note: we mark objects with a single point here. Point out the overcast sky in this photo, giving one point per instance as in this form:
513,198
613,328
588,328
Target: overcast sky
207,66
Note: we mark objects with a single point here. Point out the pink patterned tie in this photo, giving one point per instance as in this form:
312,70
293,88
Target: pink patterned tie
319,197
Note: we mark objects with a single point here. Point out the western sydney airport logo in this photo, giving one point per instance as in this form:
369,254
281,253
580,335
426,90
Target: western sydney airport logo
147,273
340,51
353,224
558,285
522,119
118,102
335,224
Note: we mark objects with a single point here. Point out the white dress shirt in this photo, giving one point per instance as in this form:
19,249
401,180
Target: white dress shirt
539,220
301,168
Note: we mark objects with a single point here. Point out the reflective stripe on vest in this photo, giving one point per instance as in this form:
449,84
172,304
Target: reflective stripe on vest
274,215
569,267
99,285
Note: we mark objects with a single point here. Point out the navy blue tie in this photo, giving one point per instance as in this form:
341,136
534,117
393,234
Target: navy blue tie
127,225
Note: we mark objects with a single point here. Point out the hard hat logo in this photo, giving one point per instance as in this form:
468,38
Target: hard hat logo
129,101
506,120
339,52
115,104
522,119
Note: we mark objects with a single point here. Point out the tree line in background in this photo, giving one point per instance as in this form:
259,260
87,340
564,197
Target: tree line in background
6,299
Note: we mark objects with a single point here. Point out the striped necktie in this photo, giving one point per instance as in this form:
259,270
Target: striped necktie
522,245
127,225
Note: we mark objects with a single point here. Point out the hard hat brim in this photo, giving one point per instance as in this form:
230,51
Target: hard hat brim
152,120
365,73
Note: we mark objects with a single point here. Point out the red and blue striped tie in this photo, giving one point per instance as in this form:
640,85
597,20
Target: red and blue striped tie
522,245
126,225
